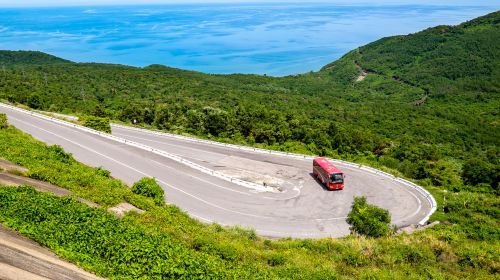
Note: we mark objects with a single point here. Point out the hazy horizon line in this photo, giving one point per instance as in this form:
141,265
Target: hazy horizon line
80,3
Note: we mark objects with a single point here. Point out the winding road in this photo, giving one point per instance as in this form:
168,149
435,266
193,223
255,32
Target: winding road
302,208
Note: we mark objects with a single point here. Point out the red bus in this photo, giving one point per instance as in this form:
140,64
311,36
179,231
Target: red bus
328,174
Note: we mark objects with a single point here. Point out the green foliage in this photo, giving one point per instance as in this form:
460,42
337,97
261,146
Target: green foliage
28,58
454,68
97,123
450,143
477,171
475,215
3,121
53,165
369,220
165,242
101,242
148,187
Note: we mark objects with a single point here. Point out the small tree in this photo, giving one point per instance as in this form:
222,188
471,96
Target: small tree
97,123
369,220
148,187
476,171
3,121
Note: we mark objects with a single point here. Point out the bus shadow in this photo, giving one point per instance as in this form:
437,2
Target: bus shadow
320,183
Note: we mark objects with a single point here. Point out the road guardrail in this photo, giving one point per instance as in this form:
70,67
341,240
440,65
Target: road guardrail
250,185
423,192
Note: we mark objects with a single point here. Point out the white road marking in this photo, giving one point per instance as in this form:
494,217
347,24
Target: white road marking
199,179
169,144
347,166
147,175
286,198
416,211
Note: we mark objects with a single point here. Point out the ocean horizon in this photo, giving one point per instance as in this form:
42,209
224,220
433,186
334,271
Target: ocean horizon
273,39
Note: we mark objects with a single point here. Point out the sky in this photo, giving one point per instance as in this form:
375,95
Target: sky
59,3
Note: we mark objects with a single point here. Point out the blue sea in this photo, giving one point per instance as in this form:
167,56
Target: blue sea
273,39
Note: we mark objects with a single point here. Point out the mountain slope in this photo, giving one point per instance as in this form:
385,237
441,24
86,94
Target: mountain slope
466,55
427,107
10,58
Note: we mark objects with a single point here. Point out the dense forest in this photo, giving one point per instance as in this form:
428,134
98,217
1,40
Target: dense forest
425,105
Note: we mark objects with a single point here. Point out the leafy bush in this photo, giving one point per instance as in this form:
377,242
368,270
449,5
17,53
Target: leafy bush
53,165
59,153
369,220
276,259
148,187
3,121
166,242
103,243
477,171
97,123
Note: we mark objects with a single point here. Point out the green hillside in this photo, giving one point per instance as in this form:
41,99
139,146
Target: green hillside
165,243
28,58
427,107
424,106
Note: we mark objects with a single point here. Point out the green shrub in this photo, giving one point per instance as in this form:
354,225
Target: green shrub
276,259
97,123
100,242
477,171
3,121
165,242
369,220
59,154
148,187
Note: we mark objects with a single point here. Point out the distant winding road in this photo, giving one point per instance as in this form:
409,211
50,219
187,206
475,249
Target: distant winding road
303,209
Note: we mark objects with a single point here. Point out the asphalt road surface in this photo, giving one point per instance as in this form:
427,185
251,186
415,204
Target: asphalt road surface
302,209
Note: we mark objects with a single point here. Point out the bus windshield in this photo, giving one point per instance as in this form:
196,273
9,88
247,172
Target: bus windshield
337,178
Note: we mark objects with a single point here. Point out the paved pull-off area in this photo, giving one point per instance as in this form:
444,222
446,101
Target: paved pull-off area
302,209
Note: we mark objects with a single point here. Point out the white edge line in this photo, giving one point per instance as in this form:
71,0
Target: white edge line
145,174
178,159
407,183
423,192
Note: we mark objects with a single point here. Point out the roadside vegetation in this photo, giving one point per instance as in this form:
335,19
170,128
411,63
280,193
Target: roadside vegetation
97,123
166,242
3,121
148,187
427,110
369,220
428,105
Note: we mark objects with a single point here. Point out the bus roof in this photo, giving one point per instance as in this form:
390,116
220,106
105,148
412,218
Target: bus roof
327,165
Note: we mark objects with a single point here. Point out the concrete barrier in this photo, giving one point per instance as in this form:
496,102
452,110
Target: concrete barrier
423,192
250,185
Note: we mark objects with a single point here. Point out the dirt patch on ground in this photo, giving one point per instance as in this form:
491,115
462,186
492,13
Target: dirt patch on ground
121,209
413,228
362,76
259,172
11,167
